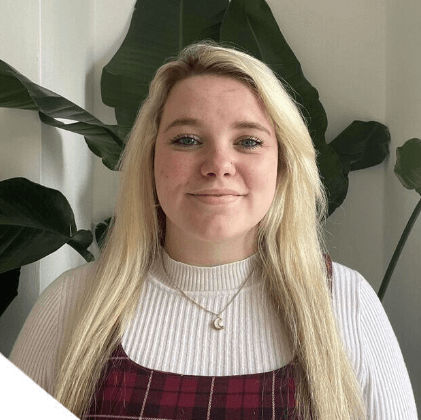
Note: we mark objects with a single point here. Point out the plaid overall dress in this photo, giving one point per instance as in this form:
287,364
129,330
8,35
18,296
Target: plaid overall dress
128,391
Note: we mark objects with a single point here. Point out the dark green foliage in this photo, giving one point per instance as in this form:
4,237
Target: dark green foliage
16,91
101,231
9,283
35,221
408,164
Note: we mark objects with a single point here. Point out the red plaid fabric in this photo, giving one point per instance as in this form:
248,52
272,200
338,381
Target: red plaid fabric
128,391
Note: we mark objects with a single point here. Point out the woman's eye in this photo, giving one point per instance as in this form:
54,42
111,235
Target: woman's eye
250,143
185,141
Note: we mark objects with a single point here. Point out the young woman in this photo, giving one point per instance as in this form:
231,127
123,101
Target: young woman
212,298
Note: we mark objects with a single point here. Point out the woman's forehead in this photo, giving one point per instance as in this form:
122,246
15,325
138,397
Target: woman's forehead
200,95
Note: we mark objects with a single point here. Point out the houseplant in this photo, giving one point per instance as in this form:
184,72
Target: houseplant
408,170
246,24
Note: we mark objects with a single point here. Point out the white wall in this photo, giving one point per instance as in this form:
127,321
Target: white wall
20,141
403,116
67,60
50,42
341,47
364,59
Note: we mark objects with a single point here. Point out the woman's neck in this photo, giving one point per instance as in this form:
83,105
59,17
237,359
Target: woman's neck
208,254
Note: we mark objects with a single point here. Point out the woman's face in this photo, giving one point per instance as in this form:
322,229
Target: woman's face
216,160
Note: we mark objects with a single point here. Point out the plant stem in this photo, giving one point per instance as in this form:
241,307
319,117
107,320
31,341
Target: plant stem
398,250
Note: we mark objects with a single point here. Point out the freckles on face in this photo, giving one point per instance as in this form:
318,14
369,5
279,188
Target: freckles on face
216,159
171,174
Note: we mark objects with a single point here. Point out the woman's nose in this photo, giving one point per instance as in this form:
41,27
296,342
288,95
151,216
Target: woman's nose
218,163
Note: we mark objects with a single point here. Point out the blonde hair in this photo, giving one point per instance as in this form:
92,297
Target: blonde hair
289,248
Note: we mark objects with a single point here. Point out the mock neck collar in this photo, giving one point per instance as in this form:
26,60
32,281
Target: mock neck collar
203,279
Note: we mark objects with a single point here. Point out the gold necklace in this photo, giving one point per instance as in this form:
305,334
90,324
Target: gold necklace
217,323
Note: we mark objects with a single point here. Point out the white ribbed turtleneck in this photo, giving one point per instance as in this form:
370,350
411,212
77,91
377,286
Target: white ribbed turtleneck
169,331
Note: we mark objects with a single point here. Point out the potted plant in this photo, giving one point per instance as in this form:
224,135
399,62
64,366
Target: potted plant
245,24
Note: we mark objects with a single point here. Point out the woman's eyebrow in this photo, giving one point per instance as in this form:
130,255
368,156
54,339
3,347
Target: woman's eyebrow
182,121
237,125
252,125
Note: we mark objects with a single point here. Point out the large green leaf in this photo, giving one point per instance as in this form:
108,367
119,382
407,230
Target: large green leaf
101,231
16,91
335,180
408,164
159,29
34,222
362,145
9,283
80,242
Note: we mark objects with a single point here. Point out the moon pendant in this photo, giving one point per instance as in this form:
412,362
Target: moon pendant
218,323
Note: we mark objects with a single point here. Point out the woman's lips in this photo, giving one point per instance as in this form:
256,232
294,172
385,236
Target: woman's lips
215,198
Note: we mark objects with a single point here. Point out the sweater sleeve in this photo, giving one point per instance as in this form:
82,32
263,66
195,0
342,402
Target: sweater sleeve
36,349
387,388
373,348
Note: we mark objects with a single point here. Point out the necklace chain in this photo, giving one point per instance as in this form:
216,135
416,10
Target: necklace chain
217,323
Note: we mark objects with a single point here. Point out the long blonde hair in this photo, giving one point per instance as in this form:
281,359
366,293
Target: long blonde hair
289,248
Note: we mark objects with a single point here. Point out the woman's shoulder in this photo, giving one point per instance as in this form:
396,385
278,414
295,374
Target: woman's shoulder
351,288
37,345
372,346
343,273
354,301
350,292
71,280
64,292
62,297
347,284
74,276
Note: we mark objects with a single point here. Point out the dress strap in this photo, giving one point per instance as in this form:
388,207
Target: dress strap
329,270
